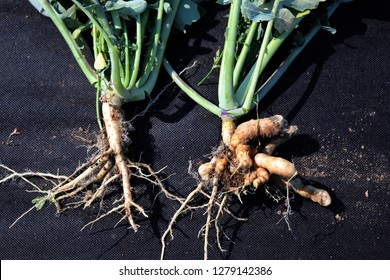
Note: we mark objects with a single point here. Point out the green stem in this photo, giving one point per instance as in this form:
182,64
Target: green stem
95,41
96,50
266,87
126,80
82,62
272,47
209,106
116,20
148,86
258,66
117,24
97,103
137,57
225,85
101,18
105,30
243,54
116,79
155,44
217,59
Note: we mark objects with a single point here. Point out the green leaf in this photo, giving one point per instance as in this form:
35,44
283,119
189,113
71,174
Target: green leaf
302,5
256,13
67,13
188,12
285,20
130,8
39,202
38,6
61,11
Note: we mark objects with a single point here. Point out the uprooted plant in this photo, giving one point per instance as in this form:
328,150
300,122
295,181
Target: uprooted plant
244,160
128,39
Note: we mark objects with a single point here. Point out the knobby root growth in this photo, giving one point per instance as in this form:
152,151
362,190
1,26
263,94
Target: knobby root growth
243,163
90,182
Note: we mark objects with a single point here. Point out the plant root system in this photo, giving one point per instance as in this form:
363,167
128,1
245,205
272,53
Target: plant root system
240,165
91,181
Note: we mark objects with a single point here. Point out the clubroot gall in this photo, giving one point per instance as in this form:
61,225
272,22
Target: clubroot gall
128,39
245,160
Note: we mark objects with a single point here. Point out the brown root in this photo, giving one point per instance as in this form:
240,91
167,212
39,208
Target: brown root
276,165
91,181
258,129
319,196
241,164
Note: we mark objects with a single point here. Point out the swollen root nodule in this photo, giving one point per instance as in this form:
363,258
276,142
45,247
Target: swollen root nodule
94,179
244,162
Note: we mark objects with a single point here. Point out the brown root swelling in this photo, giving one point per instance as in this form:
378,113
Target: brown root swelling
319,196
94,179
244,162
258,129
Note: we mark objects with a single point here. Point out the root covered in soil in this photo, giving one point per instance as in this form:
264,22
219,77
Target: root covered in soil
90,182
241,164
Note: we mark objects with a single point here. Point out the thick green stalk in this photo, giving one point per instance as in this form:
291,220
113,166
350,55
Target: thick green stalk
116,20
244,53
272,47
126,79
105,30
158,58
137,56
96,50
155,44
116,78
269,49
97,103
74,48
225,84
141,21
101,24
101,18
271,81
95,38
256,73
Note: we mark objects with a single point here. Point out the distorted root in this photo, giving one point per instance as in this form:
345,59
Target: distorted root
242,164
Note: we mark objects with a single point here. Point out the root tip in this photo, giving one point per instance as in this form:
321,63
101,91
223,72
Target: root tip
325,200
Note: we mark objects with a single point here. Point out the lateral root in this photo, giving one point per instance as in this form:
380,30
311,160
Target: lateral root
101,175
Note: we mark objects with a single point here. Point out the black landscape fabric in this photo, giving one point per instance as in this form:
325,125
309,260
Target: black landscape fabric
336,92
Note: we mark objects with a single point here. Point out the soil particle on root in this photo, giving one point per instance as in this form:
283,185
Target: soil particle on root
243,163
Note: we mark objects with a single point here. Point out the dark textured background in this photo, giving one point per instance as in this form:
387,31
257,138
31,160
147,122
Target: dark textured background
337,92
